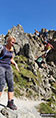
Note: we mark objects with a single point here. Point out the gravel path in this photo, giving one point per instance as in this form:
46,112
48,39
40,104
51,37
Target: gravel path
26,108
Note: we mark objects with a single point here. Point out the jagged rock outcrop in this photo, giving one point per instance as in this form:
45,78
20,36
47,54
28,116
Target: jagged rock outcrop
30,45
2,39
33,81
26,44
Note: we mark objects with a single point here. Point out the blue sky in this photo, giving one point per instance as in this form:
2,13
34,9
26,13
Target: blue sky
31,14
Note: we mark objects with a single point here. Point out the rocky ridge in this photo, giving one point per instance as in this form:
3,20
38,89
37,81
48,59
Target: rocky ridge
33,82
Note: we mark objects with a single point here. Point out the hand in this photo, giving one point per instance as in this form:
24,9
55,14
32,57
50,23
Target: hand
17,68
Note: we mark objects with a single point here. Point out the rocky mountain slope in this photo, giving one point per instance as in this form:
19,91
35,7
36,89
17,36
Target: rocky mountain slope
34,82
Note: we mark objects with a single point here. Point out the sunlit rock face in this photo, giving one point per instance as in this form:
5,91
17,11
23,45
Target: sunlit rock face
32,81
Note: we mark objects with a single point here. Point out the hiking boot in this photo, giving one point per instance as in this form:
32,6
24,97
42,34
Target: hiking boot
11,105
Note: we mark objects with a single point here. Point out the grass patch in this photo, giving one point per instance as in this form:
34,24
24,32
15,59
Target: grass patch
45,108
17,92
20,58
25,78
54,85
29,93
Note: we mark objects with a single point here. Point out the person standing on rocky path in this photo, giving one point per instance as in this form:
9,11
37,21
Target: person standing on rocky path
6,74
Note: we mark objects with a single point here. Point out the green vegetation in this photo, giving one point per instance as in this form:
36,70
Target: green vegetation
54,85
29,93
25,78
25,82
45,108
17,92
49,107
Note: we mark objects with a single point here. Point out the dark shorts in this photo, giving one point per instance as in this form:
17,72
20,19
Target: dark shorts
6,76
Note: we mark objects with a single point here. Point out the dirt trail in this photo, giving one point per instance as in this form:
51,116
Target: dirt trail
26,108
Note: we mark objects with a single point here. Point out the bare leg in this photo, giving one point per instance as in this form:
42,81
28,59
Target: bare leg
0,94
11,104
10,95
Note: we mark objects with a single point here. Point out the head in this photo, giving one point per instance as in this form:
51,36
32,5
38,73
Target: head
36,31
11,40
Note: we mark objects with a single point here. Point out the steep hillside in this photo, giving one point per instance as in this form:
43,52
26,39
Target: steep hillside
32,81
